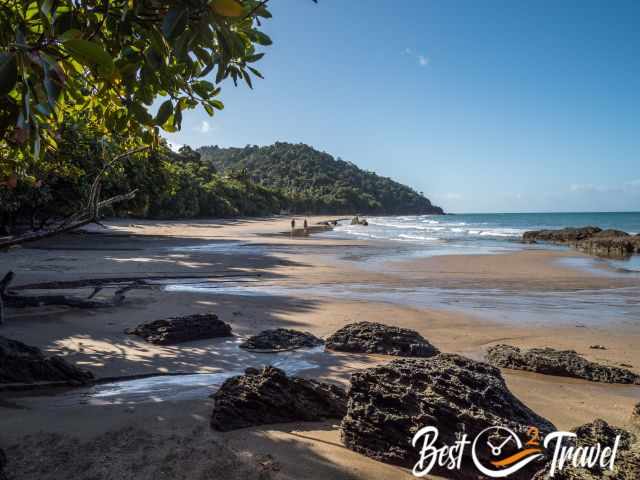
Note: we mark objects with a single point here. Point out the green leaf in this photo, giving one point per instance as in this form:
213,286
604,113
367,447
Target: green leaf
45,7
175,22
90,54
70,34
255,72
227,8
254,58
247,79
8,73
140,113
261,38
203,88
164,112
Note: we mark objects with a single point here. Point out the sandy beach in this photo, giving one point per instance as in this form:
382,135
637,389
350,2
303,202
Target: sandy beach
257,277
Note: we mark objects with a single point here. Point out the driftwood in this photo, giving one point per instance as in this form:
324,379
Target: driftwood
98,283
9,298
89,214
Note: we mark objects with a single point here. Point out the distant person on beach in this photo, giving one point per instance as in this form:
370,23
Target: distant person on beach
293,226
306,225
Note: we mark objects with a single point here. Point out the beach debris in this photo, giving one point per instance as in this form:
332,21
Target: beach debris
598,347
11,298
627,460
389,403
20,363
173,330
564,363
592,240
266,463
131,453
266,396
281,339
370,337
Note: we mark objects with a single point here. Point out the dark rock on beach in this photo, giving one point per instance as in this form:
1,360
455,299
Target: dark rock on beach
601,432
182,329
626,465
592,240
563,235
620,246
564,363
20,363
281,339
359,221
389,403
610,233
270,396
369,337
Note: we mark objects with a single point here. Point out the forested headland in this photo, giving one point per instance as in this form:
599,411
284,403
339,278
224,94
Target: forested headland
209,182
311,181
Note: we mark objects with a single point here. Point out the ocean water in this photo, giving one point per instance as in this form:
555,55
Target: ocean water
482,226
478,232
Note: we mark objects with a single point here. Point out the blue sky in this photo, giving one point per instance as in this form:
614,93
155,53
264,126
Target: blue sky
485,106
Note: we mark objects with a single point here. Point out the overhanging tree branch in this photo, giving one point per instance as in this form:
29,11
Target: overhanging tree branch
89,214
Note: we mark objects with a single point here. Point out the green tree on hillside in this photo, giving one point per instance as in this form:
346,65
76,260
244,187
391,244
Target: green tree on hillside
315,182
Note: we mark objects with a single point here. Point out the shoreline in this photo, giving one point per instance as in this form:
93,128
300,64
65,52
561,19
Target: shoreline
95,339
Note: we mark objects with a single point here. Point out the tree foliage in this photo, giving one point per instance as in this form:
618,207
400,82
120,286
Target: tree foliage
315,182
168,185
111,60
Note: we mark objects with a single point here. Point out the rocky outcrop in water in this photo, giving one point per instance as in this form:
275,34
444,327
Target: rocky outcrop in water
182,329
627,461
281,339
564,363
613,246
20,363
270,396
591,240
389,403
359,221
369,337
564,235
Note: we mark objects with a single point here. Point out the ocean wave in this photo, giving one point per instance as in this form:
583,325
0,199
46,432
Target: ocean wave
417,237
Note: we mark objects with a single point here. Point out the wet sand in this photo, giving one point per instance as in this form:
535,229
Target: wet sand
252,252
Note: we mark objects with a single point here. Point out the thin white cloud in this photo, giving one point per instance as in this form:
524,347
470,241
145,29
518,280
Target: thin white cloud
204,127
632,186
453,196
422,60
